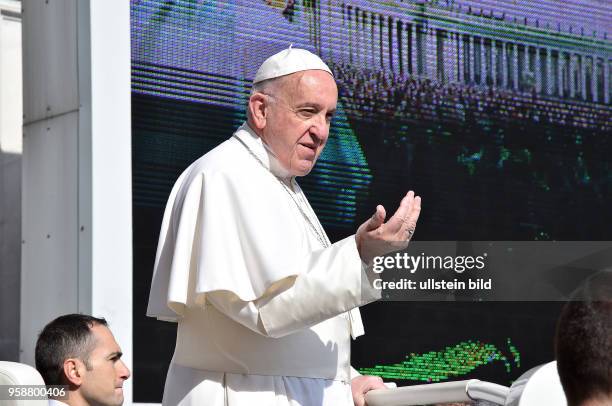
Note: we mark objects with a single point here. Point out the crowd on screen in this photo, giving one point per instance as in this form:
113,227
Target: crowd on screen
387,95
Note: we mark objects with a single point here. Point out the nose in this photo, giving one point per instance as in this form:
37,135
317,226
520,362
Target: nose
124,371
320,128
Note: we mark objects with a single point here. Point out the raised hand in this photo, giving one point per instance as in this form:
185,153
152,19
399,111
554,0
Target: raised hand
375,237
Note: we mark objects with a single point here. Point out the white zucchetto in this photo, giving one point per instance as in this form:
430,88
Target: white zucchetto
289,61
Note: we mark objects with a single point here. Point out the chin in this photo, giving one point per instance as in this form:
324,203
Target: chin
119,399
302,173
303,169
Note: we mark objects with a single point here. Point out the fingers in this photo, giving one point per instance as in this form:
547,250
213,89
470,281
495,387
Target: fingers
363,384
398,223
413,217
370,226
409,225
377,219
375,382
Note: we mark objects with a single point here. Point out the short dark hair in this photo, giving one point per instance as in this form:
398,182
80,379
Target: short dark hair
583,342
68,336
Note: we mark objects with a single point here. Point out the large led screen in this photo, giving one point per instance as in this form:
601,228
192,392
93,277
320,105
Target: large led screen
497,112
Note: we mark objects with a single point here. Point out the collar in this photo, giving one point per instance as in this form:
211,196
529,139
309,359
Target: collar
263,152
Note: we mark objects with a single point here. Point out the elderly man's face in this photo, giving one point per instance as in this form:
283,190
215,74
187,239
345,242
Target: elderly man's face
300,113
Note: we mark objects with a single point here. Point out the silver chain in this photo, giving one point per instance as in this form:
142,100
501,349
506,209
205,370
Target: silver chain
317,231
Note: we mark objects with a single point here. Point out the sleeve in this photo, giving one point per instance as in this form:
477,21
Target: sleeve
336,283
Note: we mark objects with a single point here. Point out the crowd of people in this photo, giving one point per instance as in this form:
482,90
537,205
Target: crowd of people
551,150
387,95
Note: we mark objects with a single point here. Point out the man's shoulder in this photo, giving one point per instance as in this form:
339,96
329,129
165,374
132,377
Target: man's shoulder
228,161
225,158
220,157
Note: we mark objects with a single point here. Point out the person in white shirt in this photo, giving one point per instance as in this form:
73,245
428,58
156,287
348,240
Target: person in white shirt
265,304
80,351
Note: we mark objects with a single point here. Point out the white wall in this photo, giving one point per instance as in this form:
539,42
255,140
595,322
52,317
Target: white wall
77,232
10,176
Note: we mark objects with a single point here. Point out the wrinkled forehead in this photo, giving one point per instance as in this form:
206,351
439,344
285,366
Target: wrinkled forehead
309,84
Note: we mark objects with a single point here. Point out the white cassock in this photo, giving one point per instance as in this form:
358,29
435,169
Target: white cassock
263,307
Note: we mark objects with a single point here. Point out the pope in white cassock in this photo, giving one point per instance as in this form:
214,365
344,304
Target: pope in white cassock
265,304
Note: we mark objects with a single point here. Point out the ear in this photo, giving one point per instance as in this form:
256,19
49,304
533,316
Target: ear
73,371
257,110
